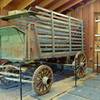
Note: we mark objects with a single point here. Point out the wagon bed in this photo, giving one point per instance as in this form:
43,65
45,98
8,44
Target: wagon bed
50,34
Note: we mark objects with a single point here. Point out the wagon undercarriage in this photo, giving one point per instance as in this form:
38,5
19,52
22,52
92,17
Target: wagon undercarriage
41,76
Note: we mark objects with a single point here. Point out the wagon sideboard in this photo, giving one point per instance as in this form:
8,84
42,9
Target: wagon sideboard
47,34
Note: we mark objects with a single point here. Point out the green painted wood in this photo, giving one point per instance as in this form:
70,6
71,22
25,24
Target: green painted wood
12,43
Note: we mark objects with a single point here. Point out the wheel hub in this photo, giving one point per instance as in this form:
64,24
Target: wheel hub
81,63
46,80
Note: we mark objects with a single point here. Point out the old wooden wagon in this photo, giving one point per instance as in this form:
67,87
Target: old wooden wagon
36,41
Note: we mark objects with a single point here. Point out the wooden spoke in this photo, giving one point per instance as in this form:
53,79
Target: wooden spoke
42,79
38,84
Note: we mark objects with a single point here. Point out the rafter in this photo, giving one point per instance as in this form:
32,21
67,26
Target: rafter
58,4
43,3
23,4
18,4
36,2
4,3
68,5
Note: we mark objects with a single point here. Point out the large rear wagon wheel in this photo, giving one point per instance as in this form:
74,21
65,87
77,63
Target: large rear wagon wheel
42,79
81,64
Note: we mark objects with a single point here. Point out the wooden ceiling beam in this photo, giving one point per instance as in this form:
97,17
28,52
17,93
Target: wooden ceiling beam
58,4
36,2
18,4
23,4
4,3
68,5
32,6
44,3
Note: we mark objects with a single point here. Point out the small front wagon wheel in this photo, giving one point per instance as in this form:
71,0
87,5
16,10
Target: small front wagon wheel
42,79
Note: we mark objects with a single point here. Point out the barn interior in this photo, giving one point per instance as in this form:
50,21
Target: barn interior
49,49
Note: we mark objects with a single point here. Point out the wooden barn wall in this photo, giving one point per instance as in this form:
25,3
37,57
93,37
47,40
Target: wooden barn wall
97,26
87,13
97,6
2,13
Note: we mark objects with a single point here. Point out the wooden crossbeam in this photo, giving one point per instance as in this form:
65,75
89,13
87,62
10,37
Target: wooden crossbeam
68,5
58,4
45,2
4,3
19,4
23,4
36,2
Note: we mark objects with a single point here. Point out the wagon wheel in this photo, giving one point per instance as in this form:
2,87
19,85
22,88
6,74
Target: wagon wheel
11,68
3,80
3,62
42,79
81,64
8,68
